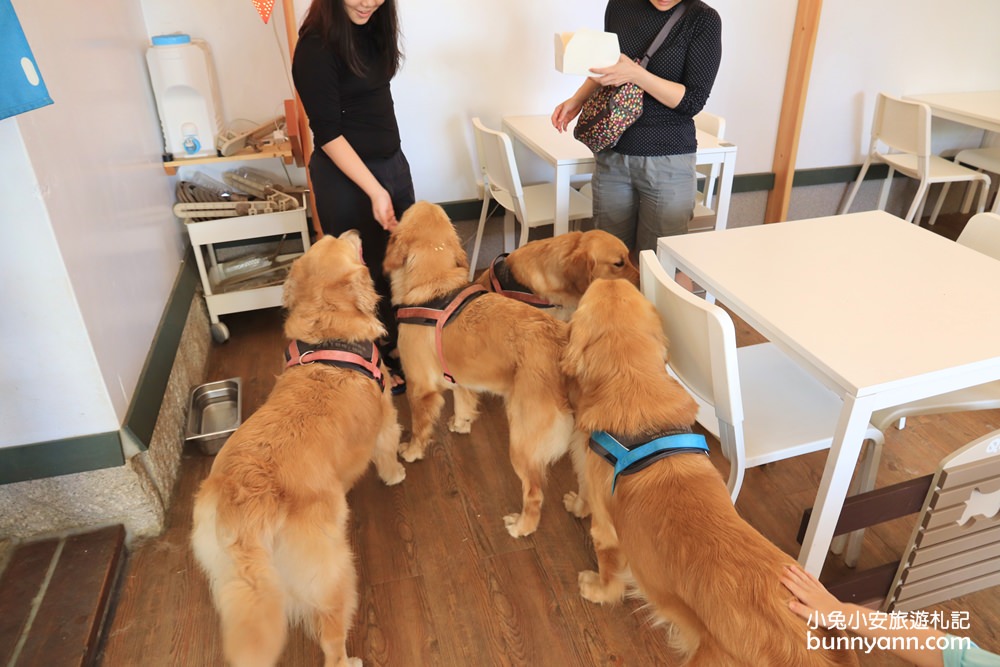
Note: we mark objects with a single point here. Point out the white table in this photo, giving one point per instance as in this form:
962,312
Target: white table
569,157
881,311
978,109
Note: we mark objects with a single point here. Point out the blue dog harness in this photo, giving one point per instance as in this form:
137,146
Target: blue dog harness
637,455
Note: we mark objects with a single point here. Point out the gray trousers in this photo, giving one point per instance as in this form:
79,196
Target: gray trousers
639,199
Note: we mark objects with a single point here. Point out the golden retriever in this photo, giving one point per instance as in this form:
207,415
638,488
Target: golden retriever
270,521
494,344
702,568
558,270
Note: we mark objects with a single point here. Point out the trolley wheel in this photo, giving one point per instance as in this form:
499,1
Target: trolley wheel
220,332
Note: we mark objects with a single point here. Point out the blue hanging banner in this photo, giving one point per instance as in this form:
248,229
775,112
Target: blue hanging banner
21,85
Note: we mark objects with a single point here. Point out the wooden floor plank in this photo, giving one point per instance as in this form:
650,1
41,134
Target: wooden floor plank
527,624
66,630
20,583
395,626
380,513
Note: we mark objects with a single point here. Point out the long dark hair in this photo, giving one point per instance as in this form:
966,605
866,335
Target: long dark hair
328,20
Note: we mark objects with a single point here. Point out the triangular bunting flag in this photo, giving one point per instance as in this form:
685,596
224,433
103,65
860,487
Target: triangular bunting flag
264,8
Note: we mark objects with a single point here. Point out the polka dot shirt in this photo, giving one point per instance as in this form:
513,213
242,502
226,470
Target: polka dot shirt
690,55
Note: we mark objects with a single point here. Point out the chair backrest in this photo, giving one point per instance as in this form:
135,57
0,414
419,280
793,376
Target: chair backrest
496,155
710,123
903,126
702,339
953,548
982,233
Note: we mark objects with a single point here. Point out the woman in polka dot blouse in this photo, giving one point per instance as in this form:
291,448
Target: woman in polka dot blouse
644,186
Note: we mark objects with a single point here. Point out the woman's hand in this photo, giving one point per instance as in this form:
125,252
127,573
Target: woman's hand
565,113
625,70
570,109
383,211
813,601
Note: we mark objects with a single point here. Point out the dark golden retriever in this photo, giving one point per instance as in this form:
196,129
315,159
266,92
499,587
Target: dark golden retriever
270,521
493,344
558,270
702,568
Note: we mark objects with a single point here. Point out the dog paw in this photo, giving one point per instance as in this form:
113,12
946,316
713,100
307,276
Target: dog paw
394,475
354,662
411,451
576,505
517,525
456,425
592,590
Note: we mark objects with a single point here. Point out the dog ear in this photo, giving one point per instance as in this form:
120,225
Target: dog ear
580,270
461,259
572,362
296,277
395,254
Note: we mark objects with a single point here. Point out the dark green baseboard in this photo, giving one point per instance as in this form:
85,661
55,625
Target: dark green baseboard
60,457
104,450
471,209
140,419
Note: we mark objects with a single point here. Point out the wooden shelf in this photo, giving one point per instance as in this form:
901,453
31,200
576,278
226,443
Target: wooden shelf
283,151
289,151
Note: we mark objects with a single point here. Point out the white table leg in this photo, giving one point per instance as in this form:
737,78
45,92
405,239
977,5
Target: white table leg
725,190
561,219
840,463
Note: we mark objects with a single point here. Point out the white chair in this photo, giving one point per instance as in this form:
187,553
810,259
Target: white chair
705,198
982,159
905,128
761,404
531,205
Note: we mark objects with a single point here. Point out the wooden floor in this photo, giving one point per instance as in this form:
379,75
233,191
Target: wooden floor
442,583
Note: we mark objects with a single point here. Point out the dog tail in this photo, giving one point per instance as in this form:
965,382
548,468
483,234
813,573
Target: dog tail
252,606
246,586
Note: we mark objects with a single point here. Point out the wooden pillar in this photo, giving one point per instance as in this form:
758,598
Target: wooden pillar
792,108
305,136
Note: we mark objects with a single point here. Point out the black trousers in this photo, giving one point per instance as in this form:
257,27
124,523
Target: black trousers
342,205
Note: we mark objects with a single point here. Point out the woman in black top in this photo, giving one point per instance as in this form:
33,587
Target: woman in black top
347,53
644,186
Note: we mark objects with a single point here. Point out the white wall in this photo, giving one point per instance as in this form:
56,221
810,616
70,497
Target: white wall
901,47
50,383
88,245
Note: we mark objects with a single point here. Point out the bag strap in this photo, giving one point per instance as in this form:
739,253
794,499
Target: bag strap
662,35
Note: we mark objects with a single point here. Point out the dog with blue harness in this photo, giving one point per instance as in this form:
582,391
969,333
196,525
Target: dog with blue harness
661,516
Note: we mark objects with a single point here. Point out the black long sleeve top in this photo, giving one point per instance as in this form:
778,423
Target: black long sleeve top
340,103
690,56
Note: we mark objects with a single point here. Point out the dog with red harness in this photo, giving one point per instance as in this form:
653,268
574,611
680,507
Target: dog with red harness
552,274
453,335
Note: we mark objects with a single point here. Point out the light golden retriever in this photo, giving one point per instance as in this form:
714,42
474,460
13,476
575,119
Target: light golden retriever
270,521
494,344
702,568
559,269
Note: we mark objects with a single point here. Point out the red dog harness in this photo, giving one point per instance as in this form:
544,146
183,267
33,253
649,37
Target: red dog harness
360,357
438,313
503,282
